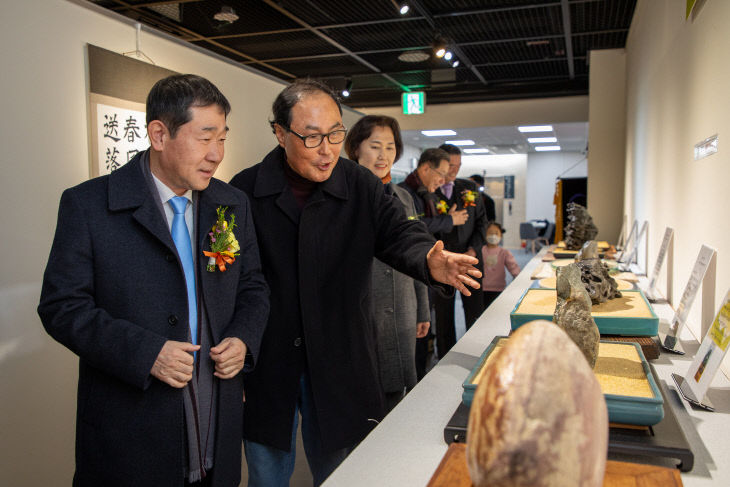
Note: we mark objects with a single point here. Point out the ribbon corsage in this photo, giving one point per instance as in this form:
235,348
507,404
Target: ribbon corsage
223,243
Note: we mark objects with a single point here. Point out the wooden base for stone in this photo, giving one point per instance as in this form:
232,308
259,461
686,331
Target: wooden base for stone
453,472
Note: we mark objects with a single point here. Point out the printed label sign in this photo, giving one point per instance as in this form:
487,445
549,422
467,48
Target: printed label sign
711,353
690,291
668,234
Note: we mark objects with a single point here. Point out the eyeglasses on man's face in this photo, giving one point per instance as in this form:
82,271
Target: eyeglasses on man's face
315,140
441,174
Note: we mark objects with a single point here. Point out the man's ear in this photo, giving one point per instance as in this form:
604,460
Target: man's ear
280,134
157,134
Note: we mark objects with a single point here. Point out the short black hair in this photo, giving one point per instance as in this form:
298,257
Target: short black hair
363,129
433,157
477,178
292,94
171,98
494,223
450,149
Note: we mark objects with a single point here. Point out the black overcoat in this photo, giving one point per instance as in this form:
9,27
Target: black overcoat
471,234
113,293
318,265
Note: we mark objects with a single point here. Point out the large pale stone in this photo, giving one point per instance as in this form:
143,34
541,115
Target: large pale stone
538,417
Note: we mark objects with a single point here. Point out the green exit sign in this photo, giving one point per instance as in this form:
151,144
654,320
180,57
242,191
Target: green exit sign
414,103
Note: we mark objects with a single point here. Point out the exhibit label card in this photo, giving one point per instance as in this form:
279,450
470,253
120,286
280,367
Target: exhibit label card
629,240
668,234
711,353
690,291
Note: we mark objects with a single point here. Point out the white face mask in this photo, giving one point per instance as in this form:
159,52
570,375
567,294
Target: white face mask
493,239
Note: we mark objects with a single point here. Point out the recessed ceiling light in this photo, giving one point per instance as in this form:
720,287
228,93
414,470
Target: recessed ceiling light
541,140
448,55
438,133
535,128
476,151
413,57
461,142
545,148
455,64
404,8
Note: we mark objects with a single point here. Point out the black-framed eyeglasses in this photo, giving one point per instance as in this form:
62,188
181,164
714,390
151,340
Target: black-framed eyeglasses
315,140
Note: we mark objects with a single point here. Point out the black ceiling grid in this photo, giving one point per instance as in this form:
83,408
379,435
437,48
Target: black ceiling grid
517,47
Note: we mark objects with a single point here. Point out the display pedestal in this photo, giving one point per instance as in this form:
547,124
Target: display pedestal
453,472
663,440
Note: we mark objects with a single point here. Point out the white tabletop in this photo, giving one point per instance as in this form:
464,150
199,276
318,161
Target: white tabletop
407,446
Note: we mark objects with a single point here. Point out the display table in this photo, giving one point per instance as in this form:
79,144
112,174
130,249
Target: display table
408,445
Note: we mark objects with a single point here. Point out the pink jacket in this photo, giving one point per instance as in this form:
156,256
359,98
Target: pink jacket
495,260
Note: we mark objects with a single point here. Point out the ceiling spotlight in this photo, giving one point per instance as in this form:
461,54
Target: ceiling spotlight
227,15
348,88
455,64
448,55
440,52
404,8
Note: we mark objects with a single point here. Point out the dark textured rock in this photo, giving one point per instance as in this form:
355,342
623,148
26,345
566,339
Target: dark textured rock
600,285
538,418
573,312
588,251
580,227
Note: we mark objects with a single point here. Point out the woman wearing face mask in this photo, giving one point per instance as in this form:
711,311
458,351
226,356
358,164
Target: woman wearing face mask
401,309
495,260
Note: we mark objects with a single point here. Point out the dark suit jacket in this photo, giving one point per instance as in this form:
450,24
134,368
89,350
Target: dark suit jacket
318,262
472,233
113,293
425,204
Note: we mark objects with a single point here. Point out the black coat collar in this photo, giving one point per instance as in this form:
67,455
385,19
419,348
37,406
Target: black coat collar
272,180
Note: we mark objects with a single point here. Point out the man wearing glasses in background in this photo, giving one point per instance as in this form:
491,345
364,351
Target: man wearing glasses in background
320,219
431,172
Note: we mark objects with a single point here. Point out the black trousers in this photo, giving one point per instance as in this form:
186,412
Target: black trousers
445,330
206,482
489,297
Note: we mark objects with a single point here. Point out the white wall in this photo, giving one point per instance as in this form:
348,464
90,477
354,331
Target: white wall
543,169
503,165
677,95
44,136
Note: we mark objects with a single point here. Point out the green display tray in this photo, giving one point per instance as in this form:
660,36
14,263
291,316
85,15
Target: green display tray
608,323
641,411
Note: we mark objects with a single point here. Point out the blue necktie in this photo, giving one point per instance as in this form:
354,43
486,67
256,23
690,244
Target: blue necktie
181,237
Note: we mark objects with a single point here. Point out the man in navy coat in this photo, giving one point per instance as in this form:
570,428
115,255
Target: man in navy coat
320,219
161,340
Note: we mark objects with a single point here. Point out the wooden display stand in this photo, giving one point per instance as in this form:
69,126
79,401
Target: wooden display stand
453,472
